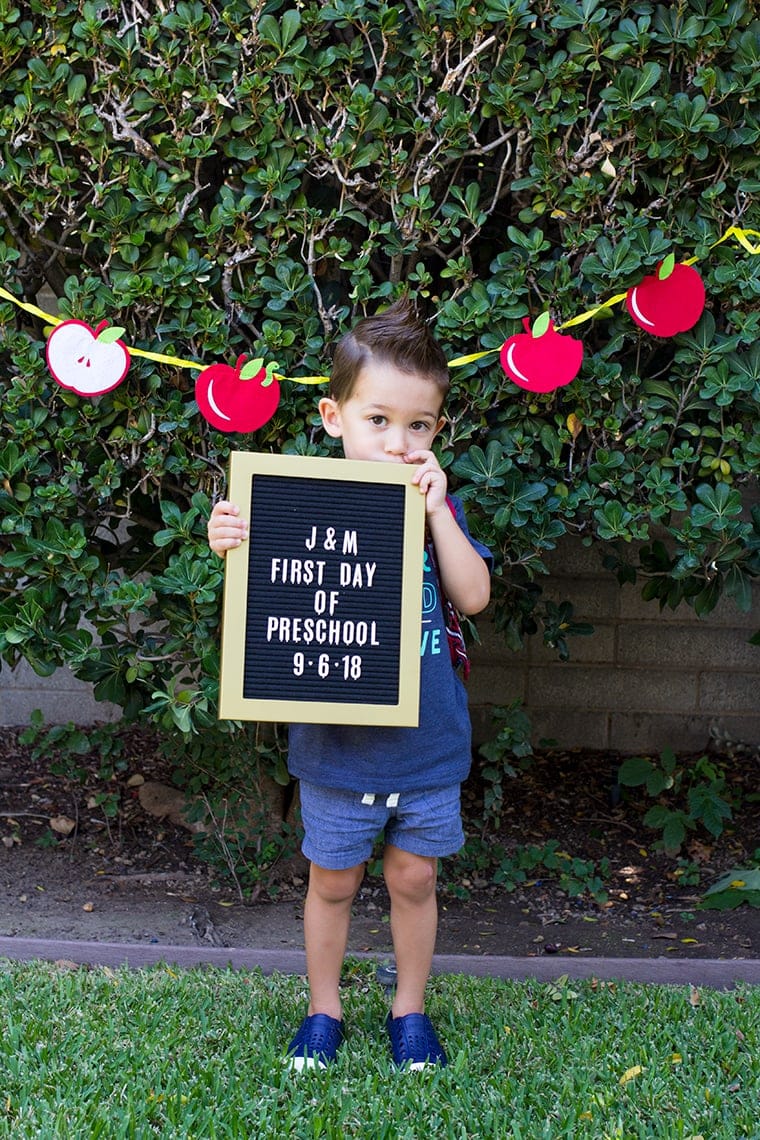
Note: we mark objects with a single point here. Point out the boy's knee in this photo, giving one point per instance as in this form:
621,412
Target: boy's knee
409,876
335,886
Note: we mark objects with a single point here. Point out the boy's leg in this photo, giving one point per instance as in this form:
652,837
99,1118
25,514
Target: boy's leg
327,916
411,881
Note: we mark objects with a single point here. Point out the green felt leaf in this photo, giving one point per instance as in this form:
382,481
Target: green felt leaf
667,267
251,368
110,334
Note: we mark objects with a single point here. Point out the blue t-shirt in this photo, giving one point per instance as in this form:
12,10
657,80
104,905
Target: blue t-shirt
371,758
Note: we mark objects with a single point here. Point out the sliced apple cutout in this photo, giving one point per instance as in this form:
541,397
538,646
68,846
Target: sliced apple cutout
239,399
84,360
541,359
668,302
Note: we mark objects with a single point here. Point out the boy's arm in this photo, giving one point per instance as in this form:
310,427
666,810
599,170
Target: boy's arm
465,577
225,528
464,574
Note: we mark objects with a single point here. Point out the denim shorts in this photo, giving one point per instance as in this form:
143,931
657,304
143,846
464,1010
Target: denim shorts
341,828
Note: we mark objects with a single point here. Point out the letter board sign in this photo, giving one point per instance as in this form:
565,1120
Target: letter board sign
321,620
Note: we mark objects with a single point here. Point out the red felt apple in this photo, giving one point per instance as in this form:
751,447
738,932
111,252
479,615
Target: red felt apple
543,359
670,301
85,360
240,399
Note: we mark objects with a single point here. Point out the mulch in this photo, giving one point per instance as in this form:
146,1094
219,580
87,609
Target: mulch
129,880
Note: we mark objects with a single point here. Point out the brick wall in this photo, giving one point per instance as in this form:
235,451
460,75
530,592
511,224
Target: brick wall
61,698
643,680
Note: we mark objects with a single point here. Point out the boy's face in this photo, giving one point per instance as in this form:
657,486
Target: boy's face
388,415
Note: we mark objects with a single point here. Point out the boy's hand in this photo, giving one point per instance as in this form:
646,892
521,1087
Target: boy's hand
430,479
226,529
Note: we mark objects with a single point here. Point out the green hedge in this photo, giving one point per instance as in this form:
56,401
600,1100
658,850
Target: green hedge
252,177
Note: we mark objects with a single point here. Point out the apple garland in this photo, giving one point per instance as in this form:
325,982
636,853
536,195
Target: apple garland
242,398
88,361
92,361
670,301
541,359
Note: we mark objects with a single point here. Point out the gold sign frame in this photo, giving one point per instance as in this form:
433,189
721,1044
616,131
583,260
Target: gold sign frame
238,606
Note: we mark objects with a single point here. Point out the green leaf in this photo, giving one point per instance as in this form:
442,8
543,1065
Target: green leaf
76,88
291,22
709,807
631,88
673,831
667,267
110,334
484,467
730,900
738,878
251,368
738,586
634,771
269,31
739,885
164,537
11,460
541,324
170,513
717,505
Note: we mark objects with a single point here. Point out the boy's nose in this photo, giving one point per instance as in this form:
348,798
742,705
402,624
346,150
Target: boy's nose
395,443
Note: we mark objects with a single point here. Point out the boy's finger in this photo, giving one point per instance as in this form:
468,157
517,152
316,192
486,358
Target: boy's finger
220,520
225,508
227,537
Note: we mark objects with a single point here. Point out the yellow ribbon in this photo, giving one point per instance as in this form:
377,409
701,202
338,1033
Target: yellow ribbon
740,235
732,232
51,320
592,312
469,359
303,379
177,361
29,308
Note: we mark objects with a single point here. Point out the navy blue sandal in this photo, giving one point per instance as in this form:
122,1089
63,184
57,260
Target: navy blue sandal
316,1043
414,1043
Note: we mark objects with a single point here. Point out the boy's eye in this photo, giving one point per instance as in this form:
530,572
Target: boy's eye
420,425
378,421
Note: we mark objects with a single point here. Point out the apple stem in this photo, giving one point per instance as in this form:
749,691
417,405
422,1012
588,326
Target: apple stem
99,328
240,361
270,374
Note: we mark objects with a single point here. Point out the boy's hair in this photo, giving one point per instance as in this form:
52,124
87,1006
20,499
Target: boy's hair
395,336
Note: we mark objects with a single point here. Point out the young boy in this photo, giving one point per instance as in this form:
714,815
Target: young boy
387,388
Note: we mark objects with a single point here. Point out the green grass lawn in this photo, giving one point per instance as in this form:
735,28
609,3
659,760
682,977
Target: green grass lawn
162,1052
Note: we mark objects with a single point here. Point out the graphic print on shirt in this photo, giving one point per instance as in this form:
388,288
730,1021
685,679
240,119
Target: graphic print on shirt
431,632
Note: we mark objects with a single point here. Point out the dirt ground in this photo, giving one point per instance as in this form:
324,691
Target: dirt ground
136,879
